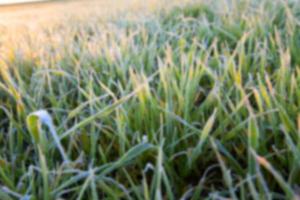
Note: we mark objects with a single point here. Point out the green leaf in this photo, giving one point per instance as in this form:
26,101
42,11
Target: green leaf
34,127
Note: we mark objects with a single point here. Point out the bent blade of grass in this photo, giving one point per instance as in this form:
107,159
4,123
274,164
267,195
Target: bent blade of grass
34,122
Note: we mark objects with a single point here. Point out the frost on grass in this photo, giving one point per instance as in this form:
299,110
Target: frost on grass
197,102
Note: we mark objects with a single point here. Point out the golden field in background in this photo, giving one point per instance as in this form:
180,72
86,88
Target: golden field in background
46,13
29,20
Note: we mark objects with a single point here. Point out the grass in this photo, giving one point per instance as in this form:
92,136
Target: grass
196,102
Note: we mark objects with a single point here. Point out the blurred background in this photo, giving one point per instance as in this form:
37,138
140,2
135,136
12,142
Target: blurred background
2,2
33,12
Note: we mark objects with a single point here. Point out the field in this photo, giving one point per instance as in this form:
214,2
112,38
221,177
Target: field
150,100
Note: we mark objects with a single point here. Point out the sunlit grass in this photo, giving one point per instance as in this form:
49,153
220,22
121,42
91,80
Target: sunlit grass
196,102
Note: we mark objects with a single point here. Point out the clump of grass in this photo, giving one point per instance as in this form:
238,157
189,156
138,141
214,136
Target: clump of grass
197,102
